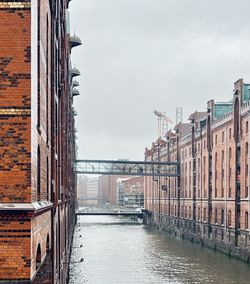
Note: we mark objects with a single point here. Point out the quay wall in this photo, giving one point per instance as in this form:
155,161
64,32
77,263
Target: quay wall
222,241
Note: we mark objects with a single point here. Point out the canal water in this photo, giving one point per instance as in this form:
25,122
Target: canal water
117,250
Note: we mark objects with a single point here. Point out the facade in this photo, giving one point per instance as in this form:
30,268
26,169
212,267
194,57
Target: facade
130,192
209,203
107,189
81,189
37,142
88,191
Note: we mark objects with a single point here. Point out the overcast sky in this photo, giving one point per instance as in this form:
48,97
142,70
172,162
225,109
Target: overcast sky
142,55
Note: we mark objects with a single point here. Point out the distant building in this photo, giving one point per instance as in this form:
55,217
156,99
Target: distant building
92,191
87,191
130,192
107,189
81,188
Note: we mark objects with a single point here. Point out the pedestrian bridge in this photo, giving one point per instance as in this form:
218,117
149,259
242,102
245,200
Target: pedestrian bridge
128,168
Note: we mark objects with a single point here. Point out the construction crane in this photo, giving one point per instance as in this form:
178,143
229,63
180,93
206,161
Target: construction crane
163,122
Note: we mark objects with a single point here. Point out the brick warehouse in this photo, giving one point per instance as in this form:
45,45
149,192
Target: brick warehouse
209,203
37,141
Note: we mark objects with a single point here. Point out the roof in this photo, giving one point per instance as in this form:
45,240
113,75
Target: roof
198,115
221,109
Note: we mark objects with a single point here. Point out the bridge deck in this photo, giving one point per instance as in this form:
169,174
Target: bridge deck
110,214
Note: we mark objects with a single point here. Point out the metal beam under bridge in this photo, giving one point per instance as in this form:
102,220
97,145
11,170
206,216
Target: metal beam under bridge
128,168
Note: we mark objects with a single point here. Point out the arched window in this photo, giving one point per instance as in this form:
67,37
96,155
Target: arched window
38,256
223,137
47,244
38,174
204,214
229,219
47,178
38,65
229,172
215,216
246,220
247,127
222,172
246,170
230,133
204,176
222,216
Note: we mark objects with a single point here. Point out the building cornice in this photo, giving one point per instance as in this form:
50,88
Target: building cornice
35,207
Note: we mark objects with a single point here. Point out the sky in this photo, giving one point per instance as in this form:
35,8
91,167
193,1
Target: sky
139,56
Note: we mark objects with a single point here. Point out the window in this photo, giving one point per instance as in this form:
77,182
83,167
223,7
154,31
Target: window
215,216
246,170
204,176
47,178
204,214
215,171
216,140
222,217
47,79
246,220
222,171
38,66
199,174
223,137
229,219
230,133
247,127
38,174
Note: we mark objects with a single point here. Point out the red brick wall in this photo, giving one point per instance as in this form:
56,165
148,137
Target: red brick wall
15,85
15,238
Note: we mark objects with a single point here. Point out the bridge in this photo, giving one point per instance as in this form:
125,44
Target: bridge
139,214
128,168
108,211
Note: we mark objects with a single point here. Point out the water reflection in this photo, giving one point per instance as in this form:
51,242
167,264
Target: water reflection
116,253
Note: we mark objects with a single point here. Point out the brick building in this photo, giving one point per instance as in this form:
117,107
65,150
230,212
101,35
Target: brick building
130,191
209,202
87,190
37,142
107,189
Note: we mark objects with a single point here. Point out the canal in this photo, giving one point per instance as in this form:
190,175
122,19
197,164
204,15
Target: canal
117,250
